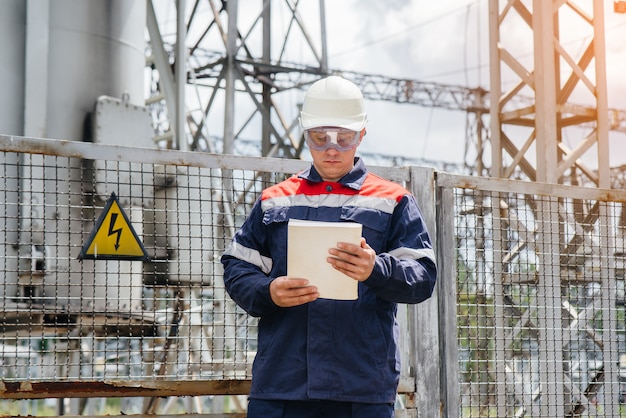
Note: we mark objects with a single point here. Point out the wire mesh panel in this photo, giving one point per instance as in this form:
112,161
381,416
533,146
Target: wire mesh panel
538,284
112,281
83,316
110,317
540,299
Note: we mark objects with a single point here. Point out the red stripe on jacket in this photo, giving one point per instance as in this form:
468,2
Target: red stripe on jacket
373,186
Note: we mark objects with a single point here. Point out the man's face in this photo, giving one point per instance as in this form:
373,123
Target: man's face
337,159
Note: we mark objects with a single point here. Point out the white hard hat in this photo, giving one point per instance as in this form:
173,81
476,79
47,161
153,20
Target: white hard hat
333,101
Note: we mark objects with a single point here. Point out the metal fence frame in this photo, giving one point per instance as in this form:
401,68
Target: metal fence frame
431,378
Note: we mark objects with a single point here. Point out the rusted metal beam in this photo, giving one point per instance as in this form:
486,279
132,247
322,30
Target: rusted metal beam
214,415
121,388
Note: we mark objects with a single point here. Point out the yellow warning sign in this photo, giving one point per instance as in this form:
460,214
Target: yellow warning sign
113,237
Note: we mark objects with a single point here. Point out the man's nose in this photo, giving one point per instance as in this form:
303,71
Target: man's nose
333,148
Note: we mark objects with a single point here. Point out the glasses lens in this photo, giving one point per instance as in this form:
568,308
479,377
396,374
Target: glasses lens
321,139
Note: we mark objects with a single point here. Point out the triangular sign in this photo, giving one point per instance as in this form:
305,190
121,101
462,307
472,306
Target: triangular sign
113,237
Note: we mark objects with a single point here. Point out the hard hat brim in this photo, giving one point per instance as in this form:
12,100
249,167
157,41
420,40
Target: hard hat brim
352,124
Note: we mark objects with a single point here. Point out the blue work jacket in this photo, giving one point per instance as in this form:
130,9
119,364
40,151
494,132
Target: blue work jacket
341,350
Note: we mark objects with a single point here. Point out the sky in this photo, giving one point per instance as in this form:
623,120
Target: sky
444,41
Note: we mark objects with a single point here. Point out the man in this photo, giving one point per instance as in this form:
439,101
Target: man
320,357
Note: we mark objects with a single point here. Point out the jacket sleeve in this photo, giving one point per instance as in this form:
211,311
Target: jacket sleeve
406,272
247,265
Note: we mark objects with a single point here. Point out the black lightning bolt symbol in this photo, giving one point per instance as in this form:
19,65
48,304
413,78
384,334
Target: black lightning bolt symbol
115,231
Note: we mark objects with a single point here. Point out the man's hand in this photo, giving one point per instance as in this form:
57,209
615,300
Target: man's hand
353,260
287,292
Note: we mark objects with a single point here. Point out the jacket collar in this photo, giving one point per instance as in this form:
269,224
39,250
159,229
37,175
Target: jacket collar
354,179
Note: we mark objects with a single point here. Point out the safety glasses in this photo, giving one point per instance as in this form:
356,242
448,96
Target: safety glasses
323,138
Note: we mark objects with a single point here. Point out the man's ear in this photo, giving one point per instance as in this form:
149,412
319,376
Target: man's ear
361,135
